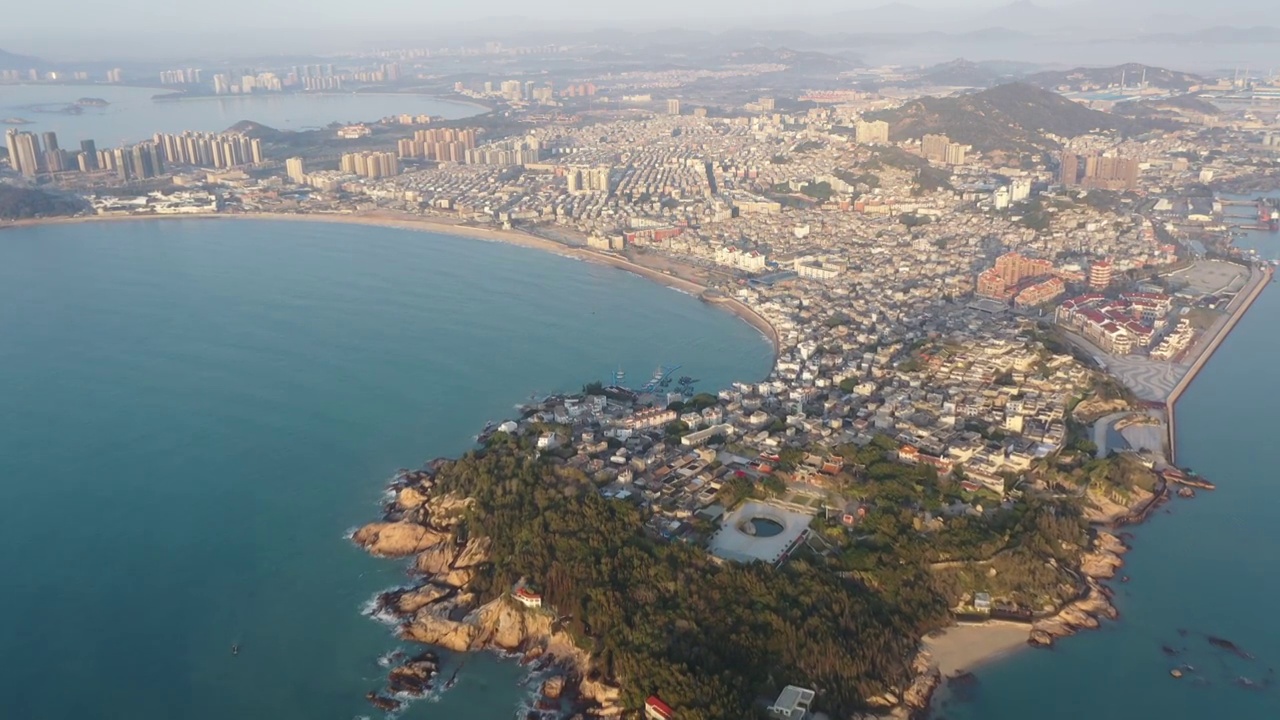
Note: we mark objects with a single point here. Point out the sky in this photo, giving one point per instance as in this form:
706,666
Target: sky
77,29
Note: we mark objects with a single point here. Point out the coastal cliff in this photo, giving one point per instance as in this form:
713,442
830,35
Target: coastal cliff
441,609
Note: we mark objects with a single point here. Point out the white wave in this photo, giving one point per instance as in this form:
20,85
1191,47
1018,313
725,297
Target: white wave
371,609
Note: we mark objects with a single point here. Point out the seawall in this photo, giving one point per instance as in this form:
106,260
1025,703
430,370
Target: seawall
1258,282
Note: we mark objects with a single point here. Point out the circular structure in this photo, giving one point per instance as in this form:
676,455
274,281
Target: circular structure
759,531
762,527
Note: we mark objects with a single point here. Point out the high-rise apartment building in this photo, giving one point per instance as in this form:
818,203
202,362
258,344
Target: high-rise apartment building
439,144
296,169
1105,172
876,131
673,106
1069,170
939,148
370,164
24,152
1100,275
588,180
1011,270
934,147
89,153
11,145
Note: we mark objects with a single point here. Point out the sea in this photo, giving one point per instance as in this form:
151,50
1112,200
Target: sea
1199,569
197,413
133,115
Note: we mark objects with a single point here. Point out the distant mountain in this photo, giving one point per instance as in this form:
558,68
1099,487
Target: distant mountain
1131,74
963,73
11,61
1167,107
1015,117
803,61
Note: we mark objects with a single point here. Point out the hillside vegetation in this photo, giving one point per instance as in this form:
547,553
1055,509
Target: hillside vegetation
1130,73
664,617
1015,117
22,203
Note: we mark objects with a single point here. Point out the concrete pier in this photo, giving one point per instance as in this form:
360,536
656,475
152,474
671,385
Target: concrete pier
1260,278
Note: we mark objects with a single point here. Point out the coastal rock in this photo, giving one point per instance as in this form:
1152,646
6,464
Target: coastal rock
553,687
606,698
918,694
509,626
1103,562
410,498
1082,614
395,539
414,677
382,703
456,578
448,510
414,600
437,559
1040,638
431,629
475,553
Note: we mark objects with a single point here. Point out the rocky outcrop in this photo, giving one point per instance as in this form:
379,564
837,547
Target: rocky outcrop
414,676
1102,562
431,629
408,602
1082,614
553,688
606,698
442,613
395,539
510,627
436,559
410,498
447,510
475,553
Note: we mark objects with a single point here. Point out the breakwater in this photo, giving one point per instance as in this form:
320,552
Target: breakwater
1258,281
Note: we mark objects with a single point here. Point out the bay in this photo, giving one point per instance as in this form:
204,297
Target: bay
133,115
196,412
1205,568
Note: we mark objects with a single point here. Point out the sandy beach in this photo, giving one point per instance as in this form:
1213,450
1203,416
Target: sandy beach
964,647
445,226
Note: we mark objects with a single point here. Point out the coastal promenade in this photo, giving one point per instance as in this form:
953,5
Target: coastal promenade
426,223
1258,281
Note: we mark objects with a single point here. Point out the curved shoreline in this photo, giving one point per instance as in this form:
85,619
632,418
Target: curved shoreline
446,227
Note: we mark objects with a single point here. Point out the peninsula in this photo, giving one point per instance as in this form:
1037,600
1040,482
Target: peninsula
984,307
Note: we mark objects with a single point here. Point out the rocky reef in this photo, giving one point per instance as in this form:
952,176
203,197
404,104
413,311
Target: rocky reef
441,609
1101,563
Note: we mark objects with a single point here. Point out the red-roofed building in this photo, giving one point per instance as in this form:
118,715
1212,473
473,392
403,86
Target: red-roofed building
655,709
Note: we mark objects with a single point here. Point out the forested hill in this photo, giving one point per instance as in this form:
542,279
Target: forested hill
1014,117
1130,75
18,203
663,617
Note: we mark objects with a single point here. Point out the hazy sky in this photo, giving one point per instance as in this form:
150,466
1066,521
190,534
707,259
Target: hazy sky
79,29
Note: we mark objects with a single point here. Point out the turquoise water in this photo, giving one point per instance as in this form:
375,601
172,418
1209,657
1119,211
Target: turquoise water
1208,568
133,115
196,412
